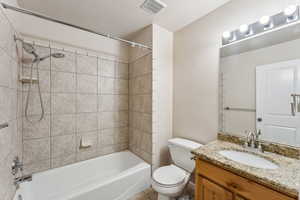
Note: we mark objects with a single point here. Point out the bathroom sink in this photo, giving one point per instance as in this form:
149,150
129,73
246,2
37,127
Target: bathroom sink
248,159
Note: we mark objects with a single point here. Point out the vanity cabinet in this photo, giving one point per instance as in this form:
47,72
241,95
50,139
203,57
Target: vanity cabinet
215,183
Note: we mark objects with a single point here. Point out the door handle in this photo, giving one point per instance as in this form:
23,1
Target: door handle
293,109
259,119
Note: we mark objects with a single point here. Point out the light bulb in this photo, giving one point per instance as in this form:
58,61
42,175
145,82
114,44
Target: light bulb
244,29
265,20
227,35
290,10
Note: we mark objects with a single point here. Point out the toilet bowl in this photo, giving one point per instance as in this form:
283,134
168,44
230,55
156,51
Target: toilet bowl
169,181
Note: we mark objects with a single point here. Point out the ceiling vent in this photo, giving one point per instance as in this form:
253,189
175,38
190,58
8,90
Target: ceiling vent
153,6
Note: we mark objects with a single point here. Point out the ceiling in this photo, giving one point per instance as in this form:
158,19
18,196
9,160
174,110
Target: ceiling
122,17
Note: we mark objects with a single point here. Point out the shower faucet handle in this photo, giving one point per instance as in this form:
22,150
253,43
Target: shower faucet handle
17,166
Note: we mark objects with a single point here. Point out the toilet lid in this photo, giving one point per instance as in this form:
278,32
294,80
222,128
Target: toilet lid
169,175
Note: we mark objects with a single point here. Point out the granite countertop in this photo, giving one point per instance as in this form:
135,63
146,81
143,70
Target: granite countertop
285,179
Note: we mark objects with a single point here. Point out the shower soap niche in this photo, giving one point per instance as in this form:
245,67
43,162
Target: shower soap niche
26,79
84,144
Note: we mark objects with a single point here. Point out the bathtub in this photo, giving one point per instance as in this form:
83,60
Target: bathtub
117,176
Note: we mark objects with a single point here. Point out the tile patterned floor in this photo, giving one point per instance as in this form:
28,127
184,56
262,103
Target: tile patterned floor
148,194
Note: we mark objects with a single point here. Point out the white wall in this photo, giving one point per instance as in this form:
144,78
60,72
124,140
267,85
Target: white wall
196,65
162,93
47,30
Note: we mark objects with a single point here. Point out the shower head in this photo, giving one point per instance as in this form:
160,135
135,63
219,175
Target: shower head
28,48
54,55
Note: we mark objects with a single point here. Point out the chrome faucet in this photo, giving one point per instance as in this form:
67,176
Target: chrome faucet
252,140
22,179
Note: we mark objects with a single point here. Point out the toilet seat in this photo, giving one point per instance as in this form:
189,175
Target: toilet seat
169,176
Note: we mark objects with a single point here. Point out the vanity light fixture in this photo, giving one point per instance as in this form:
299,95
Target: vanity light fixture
291,13
227,35
266,21
245,29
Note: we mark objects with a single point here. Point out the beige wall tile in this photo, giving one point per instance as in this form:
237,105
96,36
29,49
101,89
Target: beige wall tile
34,104
63,103
107,103
37,167
62,161
121,86
5,143
63,82
107,68
36,150
106,85
107,150
63,124
4,104
107,120
106,138
86,122
36,129
86,155
87,84
62,146
146,144
87,65
121,135
121,118
121,102
13,103
14,71
5,34
4,69
122,70
87,103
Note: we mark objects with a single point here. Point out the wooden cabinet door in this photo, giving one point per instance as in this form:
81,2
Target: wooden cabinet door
211,191
224,184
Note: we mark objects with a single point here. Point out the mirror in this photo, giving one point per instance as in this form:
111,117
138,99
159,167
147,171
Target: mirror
260,86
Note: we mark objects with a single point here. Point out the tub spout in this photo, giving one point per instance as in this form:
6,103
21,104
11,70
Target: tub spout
22,179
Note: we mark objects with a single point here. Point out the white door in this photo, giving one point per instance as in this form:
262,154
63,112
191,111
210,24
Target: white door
275,83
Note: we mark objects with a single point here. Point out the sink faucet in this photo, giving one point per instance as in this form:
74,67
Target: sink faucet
253,141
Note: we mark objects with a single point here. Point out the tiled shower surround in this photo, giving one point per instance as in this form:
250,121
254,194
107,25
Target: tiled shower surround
140,106
85,98
140,97
10,112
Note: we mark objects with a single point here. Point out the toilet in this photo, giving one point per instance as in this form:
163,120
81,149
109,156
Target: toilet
169,181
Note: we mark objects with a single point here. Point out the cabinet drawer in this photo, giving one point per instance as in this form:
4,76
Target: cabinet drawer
236,184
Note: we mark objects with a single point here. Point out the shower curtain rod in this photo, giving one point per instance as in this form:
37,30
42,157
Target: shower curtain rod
6,6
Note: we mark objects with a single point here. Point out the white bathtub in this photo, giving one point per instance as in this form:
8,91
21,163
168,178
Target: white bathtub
116,176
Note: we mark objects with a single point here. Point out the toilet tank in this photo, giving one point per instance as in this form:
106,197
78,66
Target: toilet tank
181,155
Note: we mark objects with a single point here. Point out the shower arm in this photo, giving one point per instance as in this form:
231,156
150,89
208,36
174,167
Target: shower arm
28,12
